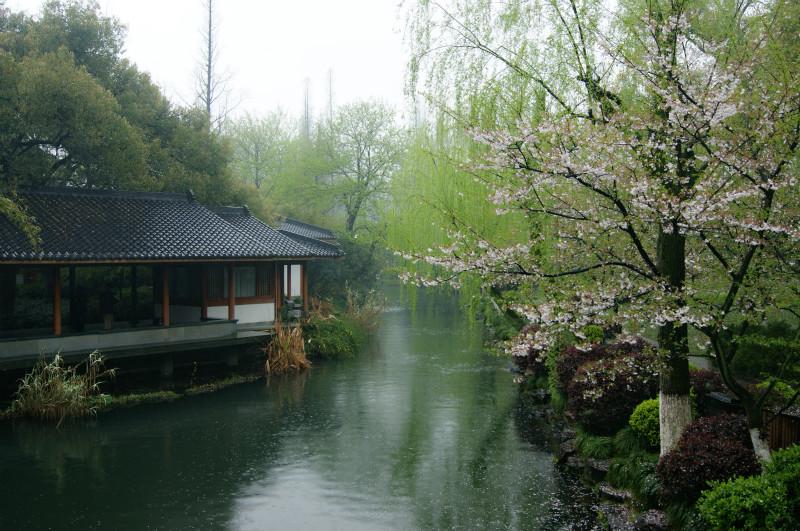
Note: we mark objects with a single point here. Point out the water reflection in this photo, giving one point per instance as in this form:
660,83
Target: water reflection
419,432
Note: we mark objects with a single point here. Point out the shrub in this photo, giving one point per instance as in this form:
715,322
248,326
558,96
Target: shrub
785,469
710,449
604,393
752,503
52,391
571,358
363,309
332,338
644,421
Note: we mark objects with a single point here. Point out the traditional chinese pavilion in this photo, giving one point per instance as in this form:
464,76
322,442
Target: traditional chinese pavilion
129,272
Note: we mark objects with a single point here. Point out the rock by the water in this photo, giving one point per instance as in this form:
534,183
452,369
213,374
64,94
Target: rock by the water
614,494
652,520
617,516
566,449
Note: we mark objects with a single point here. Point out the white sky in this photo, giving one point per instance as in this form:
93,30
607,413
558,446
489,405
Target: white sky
269,47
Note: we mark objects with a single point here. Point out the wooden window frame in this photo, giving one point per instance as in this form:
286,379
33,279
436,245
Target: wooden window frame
262,269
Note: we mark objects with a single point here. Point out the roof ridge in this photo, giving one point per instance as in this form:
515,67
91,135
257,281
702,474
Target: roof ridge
104,192
309,225
217,211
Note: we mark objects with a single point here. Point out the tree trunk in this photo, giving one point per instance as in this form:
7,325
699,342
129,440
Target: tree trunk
351,220
675,411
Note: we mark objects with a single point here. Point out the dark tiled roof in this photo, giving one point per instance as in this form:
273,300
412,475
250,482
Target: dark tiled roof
241,218
319,247
101,225
306,229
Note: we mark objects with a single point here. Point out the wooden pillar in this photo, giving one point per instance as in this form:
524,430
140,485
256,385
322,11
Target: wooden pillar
288,281
204,289
165,295
134,296
231,293
277,290
304,285
56,301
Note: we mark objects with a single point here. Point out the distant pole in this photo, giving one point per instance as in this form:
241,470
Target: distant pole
307,109
330,96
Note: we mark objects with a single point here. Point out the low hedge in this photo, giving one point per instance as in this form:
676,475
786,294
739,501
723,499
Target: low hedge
752,503
603,394
768,501
710,449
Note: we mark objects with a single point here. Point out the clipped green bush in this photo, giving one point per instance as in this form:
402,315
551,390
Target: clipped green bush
752,503
644,421
785,469
332,338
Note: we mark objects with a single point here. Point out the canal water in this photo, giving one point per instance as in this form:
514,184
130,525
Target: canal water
419,432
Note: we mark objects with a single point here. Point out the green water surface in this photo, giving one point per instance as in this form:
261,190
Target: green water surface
419,432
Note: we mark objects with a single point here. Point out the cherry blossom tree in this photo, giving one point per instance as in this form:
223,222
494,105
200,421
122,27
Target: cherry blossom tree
662,182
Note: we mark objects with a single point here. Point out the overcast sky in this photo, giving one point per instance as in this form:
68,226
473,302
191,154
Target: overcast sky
269,47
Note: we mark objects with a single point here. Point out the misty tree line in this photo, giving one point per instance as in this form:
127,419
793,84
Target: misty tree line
74,111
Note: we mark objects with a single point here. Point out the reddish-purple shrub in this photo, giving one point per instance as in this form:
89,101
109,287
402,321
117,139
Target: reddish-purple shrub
603,393
710,449
571,357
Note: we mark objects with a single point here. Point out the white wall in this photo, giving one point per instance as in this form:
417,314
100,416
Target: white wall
296,272
245,313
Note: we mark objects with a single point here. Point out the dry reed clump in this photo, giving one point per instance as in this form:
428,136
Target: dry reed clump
286,351
52,391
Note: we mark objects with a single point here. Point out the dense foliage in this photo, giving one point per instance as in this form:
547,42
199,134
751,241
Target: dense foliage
710,449
332,338
768,501
603,393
